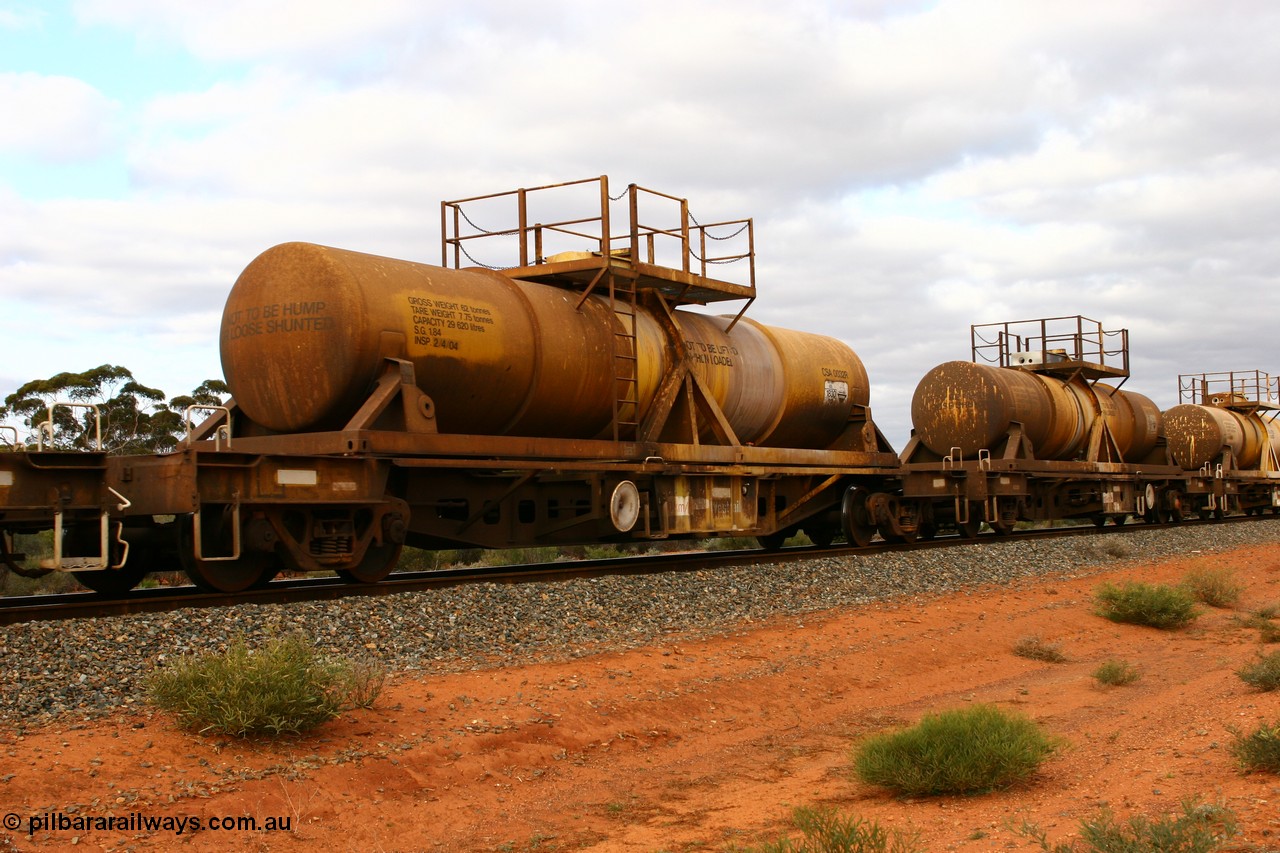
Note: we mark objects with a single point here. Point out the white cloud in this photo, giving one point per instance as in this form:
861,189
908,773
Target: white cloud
912,169
54,119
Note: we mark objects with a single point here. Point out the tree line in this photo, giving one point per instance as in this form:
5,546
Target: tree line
134,418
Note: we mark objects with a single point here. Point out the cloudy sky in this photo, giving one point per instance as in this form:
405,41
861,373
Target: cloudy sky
912,168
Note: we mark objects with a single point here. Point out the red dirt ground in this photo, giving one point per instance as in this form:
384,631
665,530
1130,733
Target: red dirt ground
702,743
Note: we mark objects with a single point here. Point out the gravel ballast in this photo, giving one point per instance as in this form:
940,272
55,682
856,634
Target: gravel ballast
85,668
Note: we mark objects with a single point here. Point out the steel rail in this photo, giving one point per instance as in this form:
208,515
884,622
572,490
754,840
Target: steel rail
88,605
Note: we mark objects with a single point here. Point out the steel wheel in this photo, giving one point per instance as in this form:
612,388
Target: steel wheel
146,554
113,581
774,541
888,534
858,526
821,536
969,529
250,569
377,563
7,556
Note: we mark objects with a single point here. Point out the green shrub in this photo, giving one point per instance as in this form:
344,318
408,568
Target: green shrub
1155,605
284,687
1199,829
970,750
1116,673
1115,547
1264,673
825,831
1268,631
1037,649
1259,750
1214,587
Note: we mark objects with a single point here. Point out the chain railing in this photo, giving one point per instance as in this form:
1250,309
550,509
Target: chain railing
1027,343
1233,387
532,226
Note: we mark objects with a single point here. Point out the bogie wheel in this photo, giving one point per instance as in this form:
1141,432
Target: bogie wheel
774,541
143,557
968,529
854,518
377,563
10,558
113,581
248,570
1002,528
821,536
906,537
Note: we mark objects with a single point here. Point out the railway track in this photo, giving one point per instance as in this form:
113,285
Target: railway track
87,605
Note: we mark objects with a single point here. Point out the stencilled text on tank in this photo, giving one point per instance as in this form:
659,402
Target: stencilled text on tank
722,355
277,317
835,385
438,322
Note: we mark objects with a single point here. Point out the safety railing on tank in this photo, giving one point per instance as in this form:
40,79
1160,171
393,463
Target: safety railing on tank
479,231
1049,341
45,429
221,433
1250,388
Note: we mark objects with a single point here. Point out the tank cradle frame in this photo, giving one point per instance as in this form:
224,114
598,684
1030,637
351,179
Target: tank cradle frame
507,491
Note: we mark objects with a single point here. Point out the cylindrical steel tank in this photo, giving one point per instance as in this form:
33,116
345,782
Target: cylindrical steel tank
1198,434
970,406
306,329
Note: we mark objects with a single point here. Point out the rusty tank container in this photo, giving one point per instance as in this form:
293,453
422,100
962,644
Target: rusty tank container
1198,435
306,330
971,406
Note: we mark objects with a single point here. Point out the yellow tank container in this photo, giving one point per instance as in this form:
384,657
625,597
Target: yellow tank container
1198,435
970,406
306,330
